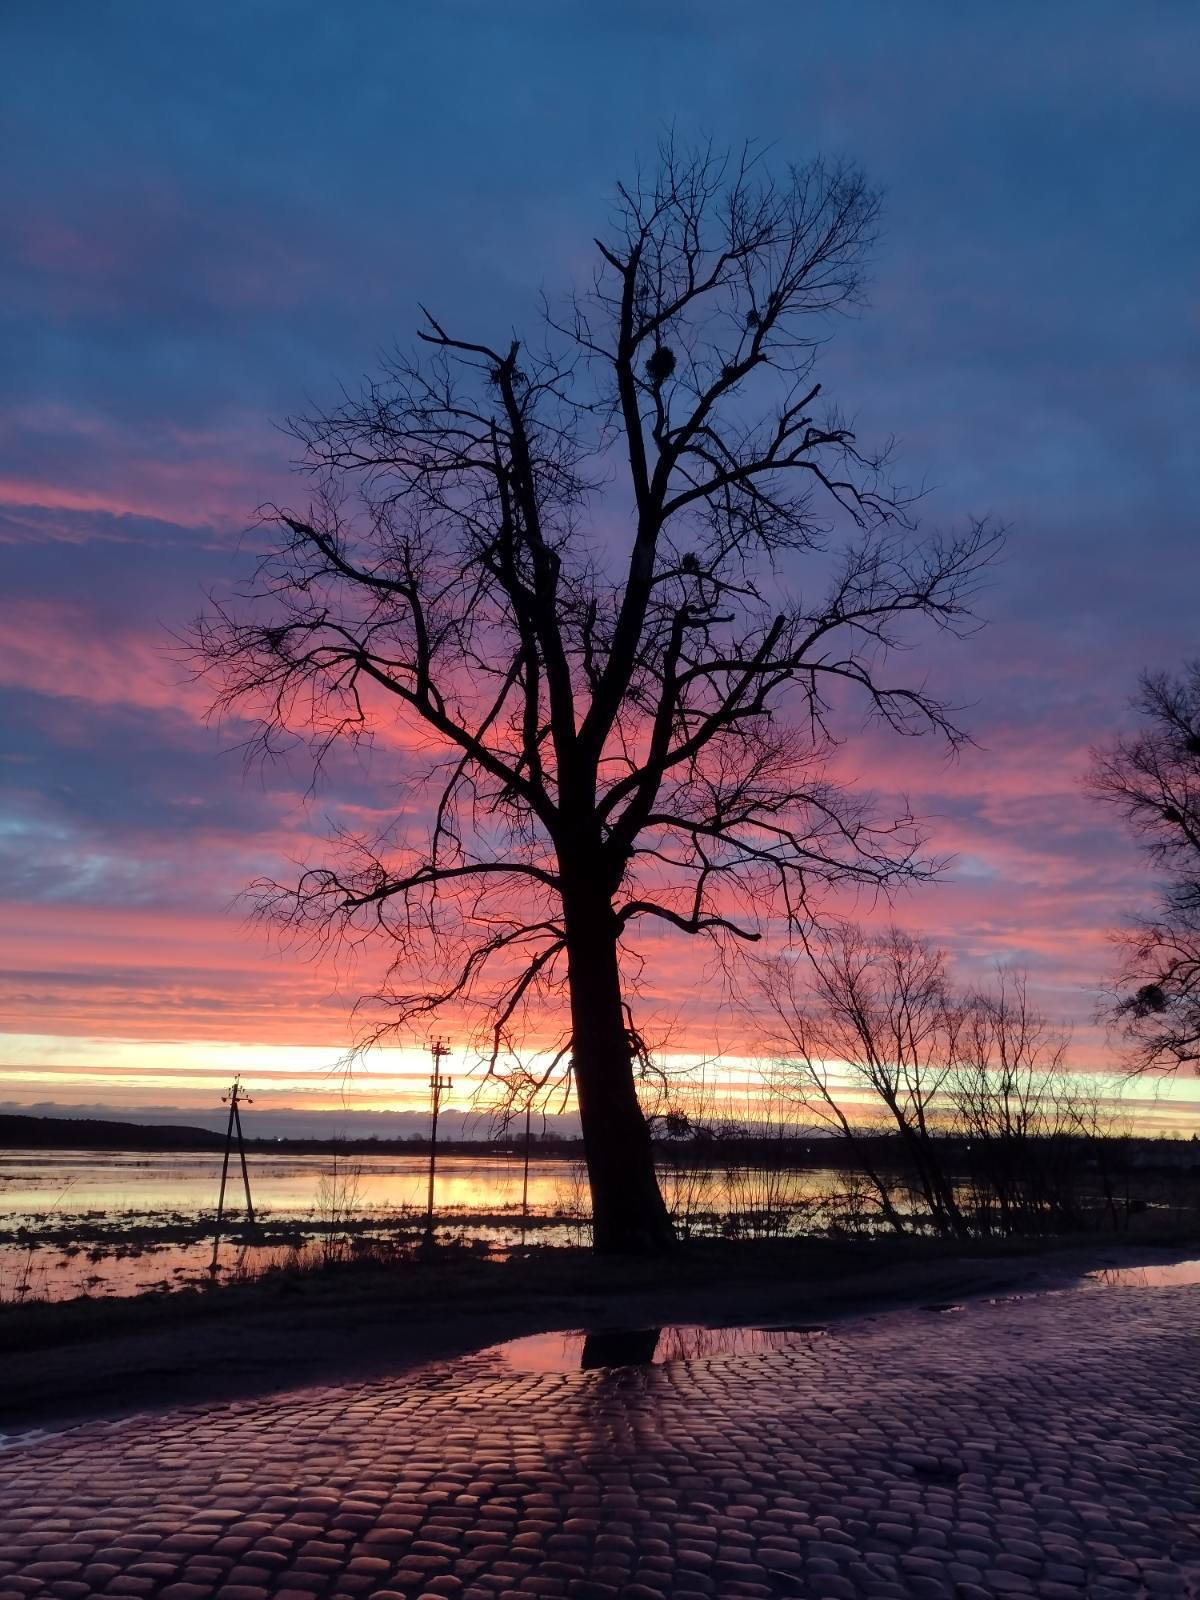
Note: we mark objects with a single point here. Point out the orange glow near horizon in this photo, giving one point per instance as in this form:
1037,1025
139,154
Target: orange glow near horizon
144,952
128,1076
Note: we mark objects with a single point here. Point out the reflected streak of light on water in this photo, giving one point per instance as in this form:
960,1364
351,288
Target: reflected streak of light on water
31,1181
1152,1275
132,1199
128,1182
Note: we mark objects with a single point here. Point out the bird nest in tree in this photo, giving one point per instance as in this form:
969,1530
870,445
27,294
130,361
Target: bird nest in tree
660,364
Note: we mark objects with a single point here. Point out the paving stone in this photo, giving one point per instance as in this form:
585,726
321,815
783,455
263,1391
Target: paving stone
1034,1449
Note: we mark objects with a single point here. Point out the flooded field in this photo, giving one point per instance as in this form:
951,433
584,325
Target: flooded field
119,1223
88,1222
43,1183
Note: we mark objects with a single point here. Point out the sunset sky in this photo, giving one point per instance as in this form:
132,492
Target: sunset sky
214,215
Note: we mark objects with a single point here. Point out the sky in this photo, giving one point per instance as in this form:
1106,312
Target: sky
213,216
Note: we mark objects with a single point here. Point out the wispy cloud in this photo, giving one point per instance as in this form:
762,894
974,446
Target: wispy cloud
245,220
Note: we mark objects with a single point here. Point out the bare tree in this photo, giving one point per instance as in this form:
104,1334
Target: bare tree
1000,1135
1015,1107
1153,780
621,592
871,1016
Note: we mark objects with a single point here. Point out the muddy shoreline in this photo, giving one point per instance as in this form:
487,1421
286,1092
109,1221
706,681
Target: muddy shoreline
77,1360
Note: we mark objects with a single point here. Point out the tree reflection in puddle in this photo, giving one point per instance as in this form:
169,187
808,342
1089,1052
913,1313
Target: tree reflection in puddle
600,1349
620,1347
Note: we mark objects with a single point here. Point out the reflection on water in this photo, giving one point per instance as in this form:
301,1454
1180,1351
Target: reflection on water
121,1222
621,1347
99,1222
105,1223
50,1272
1157,1275
46,1182
576,1350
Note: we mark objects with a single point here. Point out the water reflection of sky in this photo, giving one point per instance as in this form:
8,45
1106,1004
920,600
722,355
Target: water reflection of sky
46,1183
125,1203
73,1181
575,1350
1155,1275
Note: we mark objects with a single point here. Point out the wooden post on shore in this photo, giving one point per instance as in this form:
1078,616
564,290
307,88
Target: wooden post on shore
236,1098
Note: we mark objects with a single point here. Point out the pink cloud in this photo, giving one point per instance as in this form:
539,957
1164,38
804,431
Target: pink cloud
160,975
55,648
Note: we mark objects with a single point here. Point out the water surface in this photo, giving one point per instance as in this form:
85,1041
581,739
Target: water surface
1155,1275
577,1350
100,1222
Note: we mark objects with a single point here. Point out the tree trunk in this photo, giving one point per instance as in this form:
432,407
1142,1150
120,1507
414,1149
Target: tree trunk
628,1213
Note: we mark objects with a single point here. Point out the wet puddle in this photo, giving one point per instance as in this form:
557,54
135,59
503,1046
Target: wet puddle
1155,1275
577,1351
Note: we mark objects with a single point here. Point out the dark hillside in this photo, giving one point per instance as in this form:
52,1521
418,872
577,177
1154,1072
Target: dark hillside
93,1133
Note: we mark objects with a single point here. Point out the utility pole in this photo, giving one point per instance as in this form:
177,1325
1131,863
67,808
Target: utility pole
525,1175
438,1084
236,1098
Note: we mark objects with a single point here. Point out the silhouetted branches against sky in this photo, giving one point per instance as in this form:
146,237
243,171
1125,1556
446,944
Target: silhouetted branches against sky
1152,778
614,596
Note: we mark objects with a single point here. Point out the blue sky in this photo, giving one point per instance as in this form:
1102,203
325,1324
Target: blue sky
213,215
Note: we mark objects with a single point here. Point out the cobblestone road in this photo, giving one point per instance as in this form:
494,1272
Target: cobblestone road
1047,1447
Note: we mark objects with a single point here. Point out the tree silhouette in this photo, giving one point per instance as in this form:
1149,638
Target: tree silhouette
618,593
1153,779
873,1014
